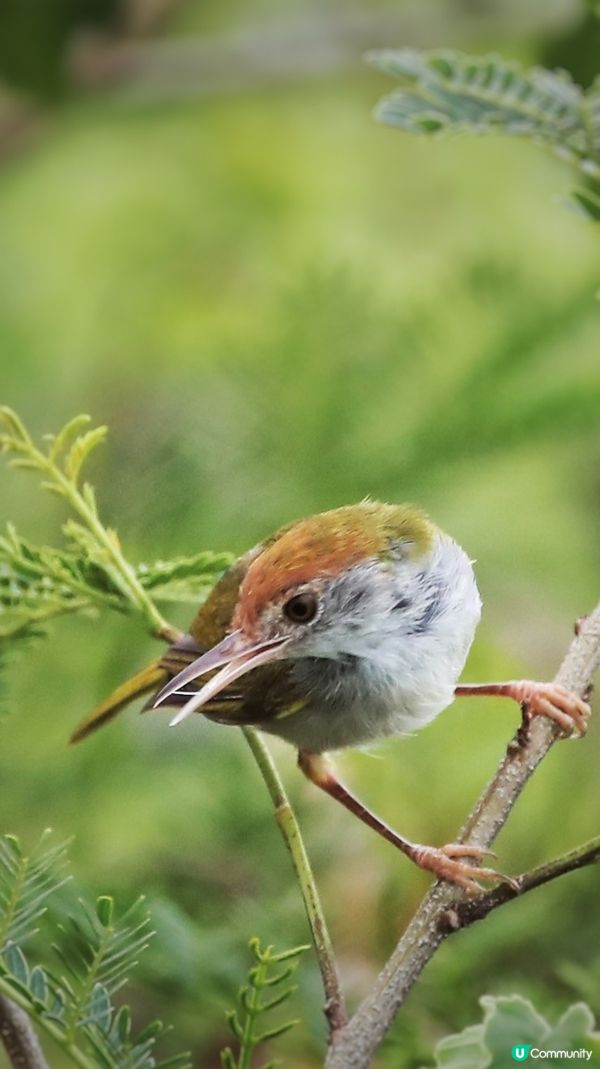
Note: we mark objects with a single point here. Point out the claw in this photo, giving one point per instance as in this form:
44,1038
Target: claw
442,862
556,703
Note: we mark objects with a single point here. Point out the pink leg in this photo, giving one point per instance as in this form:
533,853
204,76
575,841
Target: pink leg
539,699
440,860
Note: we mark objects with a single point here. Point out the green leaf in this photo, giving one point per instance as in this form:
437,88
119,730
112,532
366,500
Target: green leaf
16,963
234,1024
270,1004
151,1031
57,1008
122,1024
99,1010
588,202
285,955
463,1051
59,442
254,1009
512,1021
450,91
40,583
104,910
94,953
97,950
38,985
277,1030
184,578
15,436
26,883
97,544
178,1061
81,449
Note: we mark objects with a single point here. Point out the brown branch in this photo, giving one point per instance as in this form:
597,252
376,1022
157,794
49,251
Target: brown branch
19,1039
445,908
475,909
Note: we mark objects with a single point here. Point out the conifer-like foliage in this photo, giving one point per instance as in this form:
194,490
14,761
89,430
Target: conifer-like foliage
97,950
38,583
449,91
71,998
267,988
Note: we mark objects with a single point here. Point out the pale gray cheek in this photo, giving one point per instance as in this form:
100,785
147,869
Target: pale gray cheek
426,607
345,610
344,600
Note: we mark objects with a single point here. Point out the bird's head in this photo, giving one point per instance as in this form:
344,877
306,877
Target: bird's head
325,586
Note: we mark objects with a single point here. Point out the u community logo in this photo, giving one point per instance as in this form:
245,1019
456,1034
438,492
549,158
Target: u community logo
522,1051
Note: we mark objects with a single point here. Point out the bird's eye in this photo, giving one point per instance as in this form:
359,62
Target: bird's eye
302,608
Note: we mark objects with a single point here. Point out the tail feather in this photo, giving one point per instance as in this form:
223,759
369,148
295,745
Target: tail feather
149,678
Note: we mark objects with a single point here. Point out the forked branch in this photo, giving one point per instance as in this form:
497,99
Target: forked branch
446,908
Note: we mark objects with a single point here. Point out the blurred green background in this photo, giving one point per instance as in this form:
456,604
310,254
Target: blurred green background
279,307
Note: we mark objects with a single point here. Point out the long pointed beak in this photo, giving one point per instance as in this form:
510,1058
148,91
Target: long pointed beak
236,654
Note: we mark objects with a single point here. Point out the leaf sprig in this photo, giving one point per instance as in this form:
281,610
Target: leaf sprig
97,951
254,1006
38,583
449,91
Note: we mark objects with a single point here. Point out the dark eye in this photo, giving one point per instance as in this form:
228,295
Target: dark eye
302,608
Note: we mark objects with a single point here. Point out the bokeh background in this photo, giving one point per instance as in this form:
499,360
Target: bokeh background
279,307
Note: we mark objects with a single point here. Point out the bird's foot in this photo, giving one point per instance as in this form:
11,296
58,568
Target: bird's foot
556,703
445,862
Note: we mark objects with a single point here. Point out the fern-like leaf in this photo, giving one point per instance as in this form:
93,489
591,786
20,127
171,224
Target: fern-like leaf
187,579
26,883
60,466
97,951
442,91
253,1007
38,583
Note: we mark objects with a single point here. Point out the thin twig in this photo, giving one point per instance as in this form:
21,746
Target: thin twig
19,1039
476,909
335,1009
353,1046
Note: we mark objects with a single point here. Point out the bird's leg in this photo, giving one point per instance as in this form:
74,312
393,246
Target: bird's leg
440,860
538,699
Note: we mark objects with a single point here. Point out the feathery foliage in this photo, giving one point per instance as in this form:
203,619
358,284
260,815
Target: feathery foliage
25,885
97,952
254,1007
450,91
39,583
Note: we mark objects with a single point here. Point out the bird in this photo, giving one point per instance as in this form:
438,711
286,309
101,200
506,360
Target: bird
337,631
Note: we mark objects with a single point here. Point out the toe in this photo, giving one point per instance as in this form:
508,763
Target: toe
446,864
466,850
557,703
544,707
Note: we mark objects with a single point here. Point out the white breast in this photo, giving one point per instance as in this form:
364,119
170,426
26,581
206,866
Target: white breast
393,668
